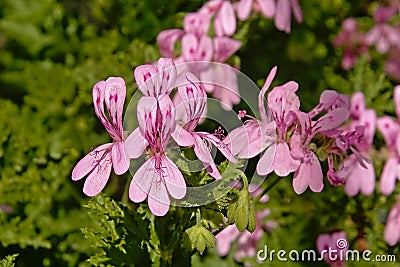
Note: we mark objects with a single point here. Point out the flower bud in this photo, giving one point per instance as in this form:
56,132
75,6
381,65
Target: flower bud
198,237
242,212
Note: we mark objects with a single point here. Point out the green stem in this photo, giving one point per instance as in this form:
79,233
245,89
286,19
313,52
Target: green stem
271,182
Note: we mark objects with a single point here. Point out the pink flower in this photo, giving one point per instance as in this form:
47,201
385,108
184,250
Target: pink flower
97,164
197,23
255,135
392,67
224,16
193,99
383,35
352,41
196,49
156,80
266,7
390,130
333,247
359,177
392,229
283,14
158,178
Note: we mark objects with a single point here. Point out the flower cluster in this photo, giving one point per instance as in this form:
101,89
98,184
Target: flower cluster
384,36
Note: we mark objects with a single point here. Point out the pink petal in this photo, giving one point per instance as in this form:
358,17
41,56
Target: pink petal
146,115
158,199
368,181
143,77
283,161
261,100
197,23
264,165
283,15
174,180
142,181
224,149
297,10
323,242
389,175
189,47
237,141
225,238
212,169
225,47
357,105
227,16
135,144
182,137
167,39
98,177
308,174
205,49
392,233
115,91
244,8
120,159
389,129
201,149
332,120
167,75
89,162
267,7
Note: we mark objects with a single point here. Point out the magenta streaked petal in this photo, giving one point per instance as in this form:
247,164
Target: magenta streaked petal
212,169
114,95
98,177
167,39
143,77
225,47
89,162
201,150
167,74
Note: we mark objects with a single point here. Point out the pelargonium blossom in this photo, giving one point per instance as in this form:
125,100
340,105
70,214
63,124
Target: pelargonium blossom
158,178
97,164
390,130
383,35
255,135
360,177
191,101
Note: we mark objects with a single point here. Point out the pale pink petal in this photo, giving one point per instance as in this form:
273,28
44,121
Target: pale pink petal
197,23
283,162
225,47
368,181
182,137
166,76
351,172
158,199
201,150
308,174
225,238
205,49
174,180
244,8
332,120
392,229
135,144
228,19
189,47
389,175
142,181
237,141
98,177
297,10
167,39
389,129
357,105
167,119
143,77
89,162
372,36
283,15
120,159
324,242
114,95
224,149
267,7
261,100
264,165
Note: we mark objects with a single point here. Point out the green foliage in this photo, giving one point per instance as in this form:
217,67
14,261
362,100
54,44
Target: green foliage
120,235
8,261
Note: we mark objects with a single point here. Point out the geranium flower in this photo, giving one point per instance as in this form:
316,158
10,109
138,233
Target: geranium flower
283,14
333,247
392,229
99,161
266,7
158,178
224,16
